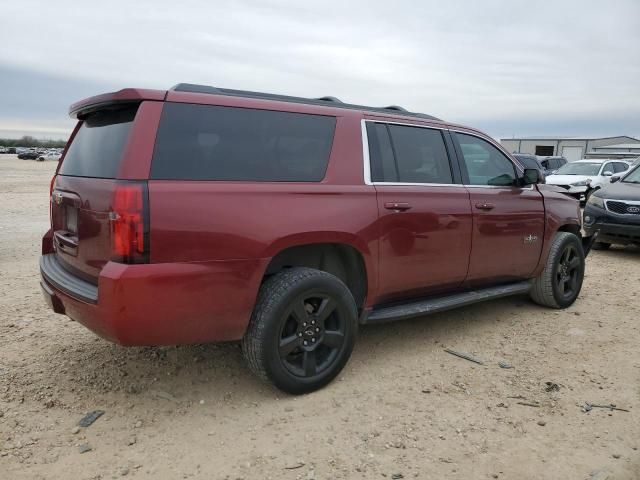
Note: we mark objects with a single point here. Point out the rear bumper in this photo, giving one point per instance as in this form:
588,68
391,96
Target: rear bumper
160,304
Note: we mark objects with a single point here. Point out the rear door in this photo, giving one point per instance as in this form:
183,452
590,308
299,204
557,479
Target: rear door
83,190
508,220
424,211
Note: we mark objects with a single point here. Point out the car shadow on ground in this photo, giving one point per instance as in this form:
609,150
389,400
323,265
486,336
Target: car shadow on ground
79,366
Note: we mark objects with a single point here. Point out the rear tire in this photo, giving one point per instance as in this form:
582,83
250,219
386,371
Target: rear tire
560,282
302,330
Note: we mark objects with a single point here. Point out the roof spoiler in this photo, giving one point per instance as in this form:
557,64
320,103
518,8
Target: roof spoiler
82,108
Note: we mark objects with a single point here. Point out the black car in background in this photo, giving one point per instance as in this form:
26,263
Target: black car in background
614,211
531,161
28,155
551,164
546,165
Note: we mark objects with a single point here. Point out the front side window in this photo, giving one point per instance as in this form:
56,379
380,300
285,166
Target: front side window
205,142
619,167
607,167
633,177
485,164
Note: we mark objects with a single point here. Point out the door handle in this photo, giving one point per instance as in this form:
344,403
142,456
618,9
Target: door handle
397,206
485,206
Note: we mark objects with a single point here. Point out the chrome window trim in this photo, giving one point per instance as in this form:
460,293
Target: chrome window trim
409,184
365,153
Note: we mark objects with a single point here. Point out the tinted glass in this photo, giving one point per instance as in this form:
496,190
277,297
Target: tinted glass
96,150
619,167
203,142
528,162
383,167
486,165
420,154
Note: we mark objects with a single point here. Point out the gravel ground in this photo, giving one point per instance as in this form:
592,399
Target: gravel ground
402,408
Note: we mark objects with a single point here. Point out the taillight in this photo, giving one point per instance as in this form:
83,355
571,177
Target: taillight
129,219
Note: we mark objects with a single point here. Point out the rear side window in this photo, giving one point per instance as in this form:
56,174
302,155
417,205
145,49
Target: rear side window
97,148
407,154
421,156
204,142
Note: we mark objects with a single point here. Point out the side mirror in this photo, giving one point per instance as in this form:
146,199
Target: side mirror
531,176
614,178
608,173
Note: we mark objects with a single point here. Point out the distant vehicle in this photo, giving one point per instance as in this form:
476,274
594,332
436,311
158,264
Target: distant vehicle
28,156
531,161
583,177
51,155
11,150
551,164
614,211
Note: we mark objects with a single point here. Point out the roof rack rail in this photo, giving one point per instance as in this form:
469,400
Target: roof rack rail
327,101
329,98
194,88
397,108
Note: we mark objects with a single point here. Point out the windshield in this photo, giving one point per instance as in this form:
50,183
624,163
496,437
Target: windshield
633,177
579,169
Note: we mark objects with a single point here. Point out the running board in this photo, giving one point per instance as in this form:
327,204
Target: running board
433,305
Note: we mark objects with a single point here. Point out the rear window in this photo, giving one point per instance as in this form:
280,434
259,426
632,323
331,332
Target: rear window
97,148
203,142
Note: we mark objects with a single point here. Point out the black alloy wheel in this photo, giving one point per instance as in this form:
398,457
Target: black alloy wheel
312,335
568,272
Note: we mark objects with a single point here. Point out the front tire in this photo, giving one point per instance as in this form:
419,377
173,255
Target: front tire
560,282
302,330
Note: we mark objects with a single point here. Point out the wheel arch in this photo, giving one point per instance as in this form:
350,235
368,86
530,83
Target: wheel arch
342,259
571,228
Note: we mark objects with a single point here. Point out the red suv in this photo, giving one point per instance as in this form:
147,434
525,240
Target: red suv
201,214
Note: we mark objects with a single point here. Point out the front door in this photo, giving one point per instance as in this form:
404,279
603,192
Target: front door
424,212
508,220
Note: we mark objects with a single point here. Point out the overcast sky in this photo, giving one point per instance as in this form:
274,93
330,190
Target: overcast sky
508,67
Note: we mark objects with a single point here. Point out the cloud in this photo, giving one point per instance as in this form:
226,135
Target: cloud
510,66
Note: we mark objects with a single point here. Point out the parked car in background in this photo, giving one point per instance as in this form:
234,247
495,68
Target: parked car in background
614,211
531,161
203,214
28,155
583,177
552,164
50,155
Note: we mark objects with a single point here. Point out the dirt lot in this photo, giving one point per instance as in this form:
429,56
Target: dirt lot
402,408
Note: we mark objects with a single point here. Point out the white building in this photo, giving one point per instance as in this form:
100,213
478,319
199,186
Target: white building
572,148
622,150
